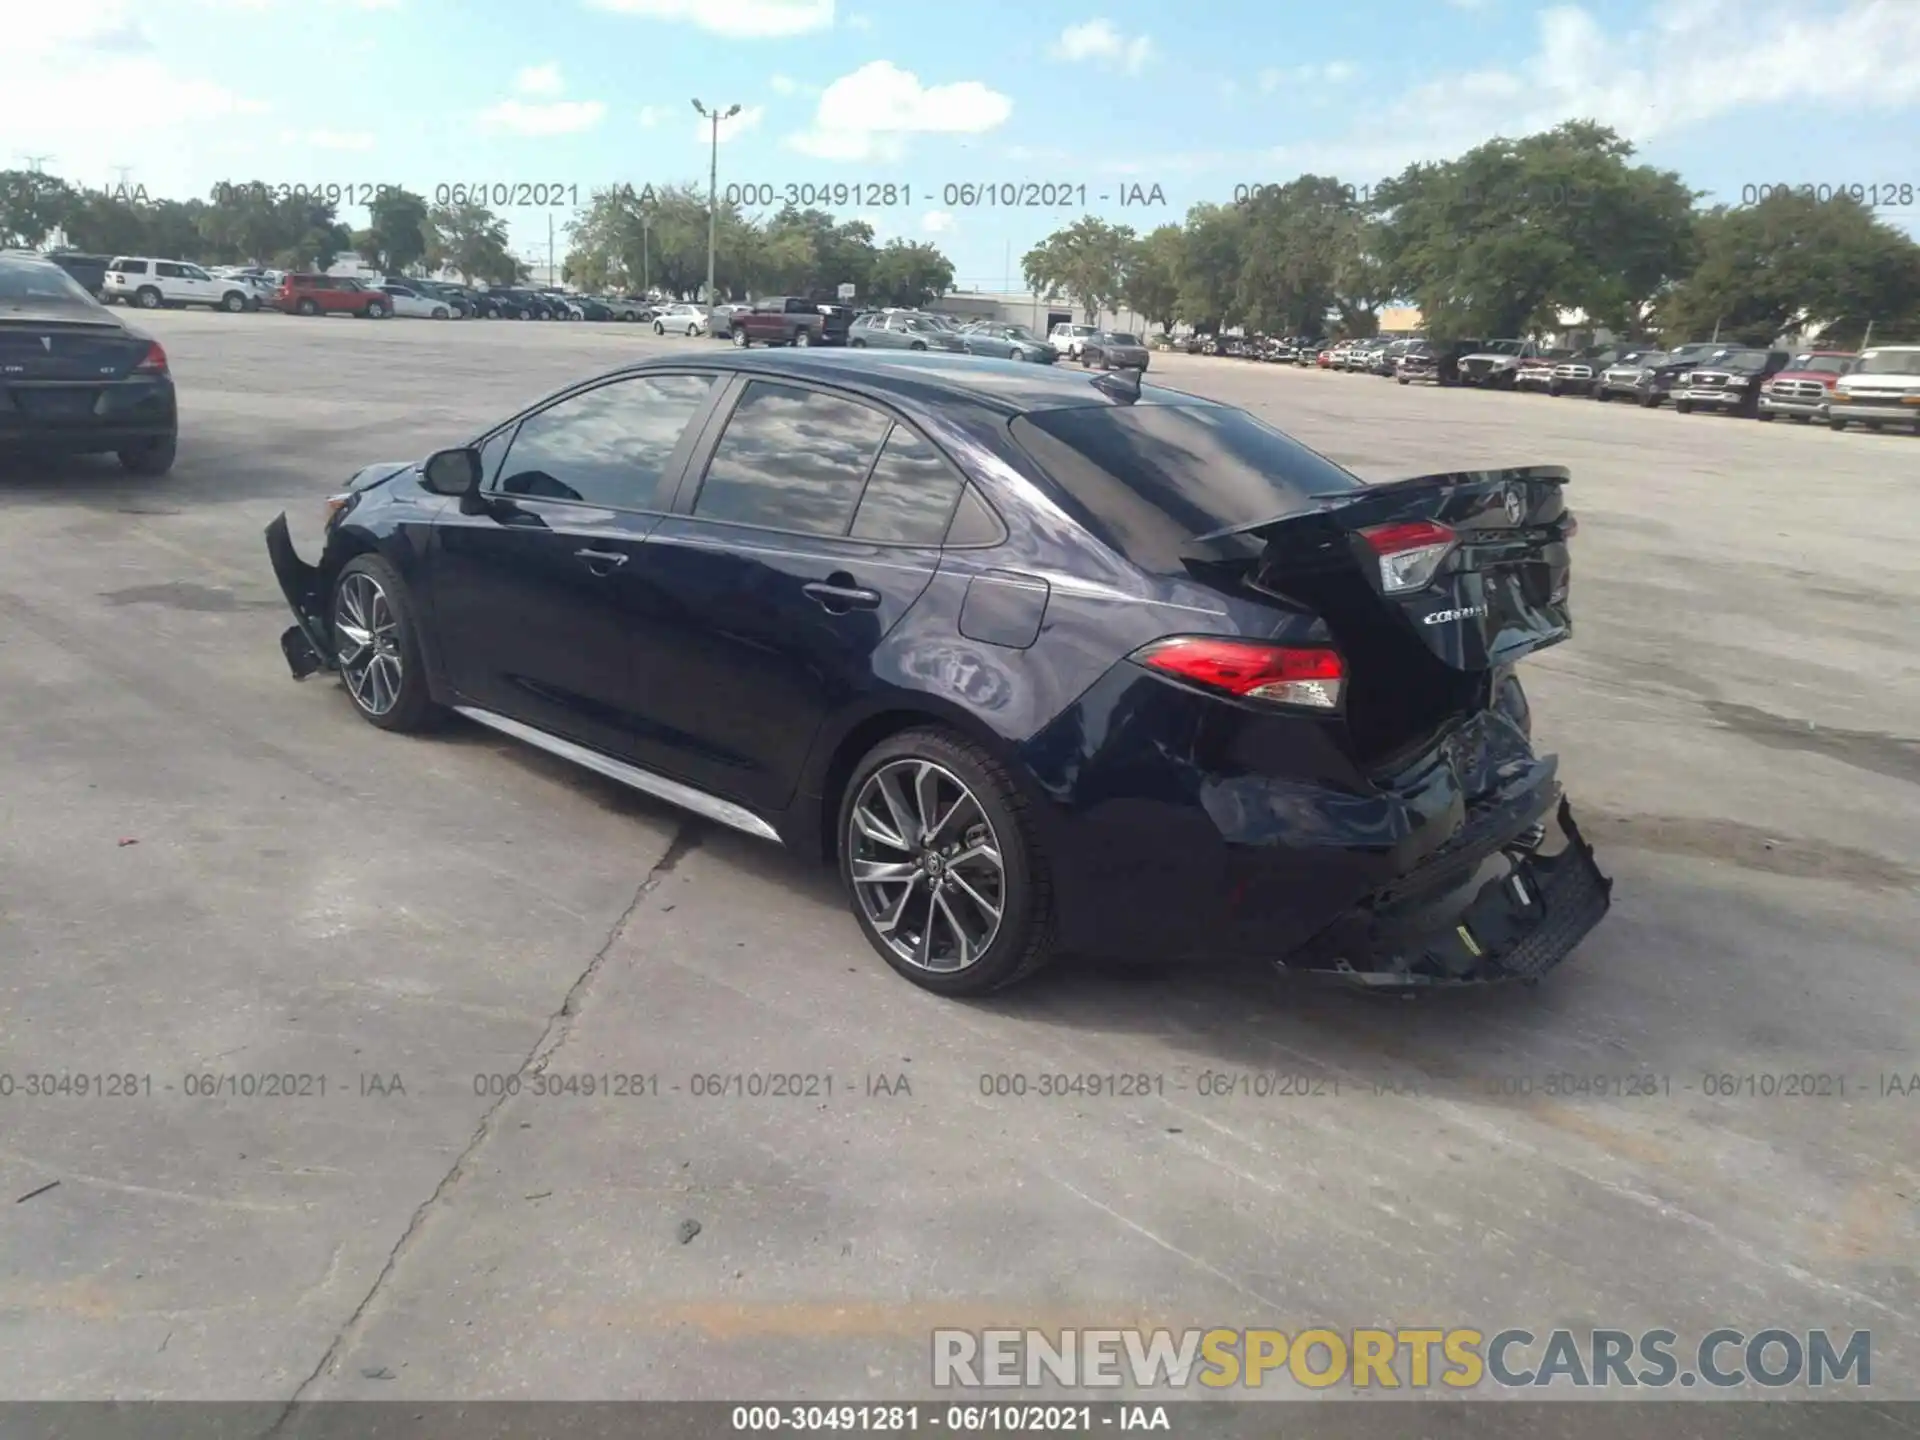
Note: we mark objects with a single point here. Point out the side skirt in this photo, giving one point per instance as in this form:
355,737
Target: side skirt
724,812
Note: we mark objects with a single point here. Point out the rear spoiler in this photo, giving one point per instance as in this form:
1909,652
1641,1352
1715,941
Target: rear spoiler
1384,496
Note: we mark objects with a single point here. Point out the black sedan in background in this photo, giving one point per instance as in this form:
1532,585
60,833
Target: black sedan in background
75,378
1113,350
1042,662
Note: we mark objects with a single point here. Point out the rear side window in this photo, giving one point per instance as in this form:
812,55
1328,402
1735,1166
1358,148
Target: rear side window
910,495
792,459
799,307
129,267
1148,479
169,270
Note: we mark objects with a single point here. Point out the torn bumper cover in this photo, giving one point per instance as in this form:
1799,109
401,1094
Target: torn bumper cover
305,643
1516,917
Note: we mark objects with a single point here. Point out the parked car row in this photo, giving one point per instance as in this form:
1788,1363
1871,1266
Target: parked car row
1872,388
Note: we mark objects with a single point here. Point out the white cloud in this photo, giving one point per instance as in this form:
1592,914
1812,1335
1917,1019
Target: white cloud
540,80
937,222
650,116
557,117
356,141
731,128
1333,72
869,114
1100,40
737,19
1699,60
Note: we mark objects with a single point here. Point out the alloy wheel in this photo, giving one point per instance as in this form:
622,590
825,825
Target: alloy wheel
368,634
926,865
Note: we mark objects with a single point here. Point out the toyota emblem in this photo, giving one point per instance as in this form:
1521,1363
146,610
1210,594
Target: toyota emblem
1516,507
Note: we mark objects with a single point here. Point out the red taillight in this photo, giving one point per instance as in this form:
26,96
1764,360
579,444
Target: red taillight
1283,674
1410,553
154,362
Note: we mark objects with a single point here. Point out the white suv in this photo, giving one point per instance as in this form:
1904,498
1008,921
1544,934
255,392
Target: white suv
150,283
1068,339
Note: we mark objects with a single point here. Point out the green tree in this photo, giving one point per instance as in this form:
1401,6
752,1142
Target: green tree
32,206
1789,262
1303,254
1152,283
105,225
1086,262
395,239
910,273
1501,239
1211,242
471,241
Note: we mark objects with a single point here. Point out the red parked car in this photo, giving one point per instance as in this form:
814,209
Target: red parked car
1803,389
329,295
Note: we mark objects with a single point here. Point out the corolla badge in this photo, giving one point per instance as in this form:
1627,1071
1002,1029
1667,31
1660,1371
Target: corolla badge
1516,507
1467,612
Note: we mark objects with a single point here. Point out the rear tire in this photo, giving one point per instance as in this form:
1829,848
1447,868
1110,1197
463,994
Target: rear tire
147,297
802,339
383,674
308,307
856,344
741,340
149,457
942,782
1763,415
658,328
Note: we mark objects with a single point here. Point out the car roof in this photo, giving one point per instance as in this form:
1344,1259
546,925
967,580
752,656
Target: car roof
912,377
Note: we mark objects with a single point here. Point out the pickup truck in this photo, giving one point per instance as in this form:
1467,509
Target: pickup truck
790,320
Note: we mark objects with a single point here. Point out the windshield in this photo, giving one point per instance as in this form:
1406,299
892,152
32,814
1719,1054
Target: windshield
1745,360
1120,337
1888,362
1148,478
1822,364
29,281
1503,347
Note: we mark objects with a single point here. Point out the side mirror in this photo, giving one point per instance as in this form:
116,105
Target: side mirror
452,472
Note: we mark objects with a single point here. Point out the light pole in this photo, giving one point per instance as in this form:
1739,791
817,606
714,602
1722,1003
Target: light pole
713,189
646,253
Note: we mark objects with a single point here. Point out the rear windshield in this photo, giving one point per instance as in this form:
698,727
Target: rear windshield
31,280
1147,479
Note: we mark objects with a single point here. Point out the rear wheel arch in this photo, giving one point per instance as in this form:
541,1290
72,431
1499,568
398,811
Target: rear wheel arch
836,758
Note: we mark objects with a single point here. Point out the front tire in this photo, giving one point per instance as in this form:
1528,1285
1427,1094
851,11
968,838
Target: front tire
1683,407
741,340
658,328
941,866
376,311
233,302
1650,400
149,457
377,648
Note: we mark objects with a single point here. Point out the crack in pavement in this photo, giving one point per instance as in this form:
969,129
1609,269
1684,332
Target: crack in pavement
559,1025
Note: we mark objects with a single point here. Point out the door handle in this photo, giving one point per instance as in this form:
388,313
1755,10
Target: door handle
838,593
601,561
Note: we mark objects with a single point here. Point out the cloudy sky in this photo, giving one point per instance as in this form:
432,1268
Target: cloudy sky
1098,103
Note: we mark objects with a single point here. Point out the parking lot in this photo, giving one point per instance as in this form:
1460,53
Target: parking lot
207,869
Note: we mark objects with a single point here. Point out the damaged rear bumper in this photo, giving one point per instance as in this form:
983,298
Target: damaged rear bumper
1515,918
305,643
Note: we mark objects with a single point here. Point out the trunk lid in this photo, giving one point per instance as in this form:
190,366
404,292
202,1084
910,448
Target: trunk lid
36,348
1498,594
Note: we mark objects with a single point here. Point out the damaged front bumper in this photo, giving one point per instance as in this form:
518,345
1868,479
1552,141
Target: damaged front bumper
1515,918
305,643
